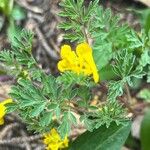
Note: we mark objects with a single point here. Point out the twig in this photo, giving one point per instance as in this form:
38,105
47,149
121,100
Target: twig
127,105
45,44
26,143
54,45
7,129
29,7
18,140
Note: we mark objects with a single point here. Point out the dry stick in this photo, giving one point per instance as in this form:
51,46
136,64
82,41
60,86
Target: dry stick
127,105
40,147
128,94
54,45
27,144
21,139
25,5
45,44
14,116
7,129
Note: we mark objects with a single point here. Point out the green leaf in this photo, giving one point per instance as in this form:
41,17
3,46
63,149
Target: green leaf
124,62
18,13
6,6
145,58
70,78
10,107
102,54
144,16
65,127
49,85
12,32
24,41
145,131
7,57
115,89
27,102
135,40
110,112
107,73
77,18
148,75
103,138
46,119
2,20
145,94
38,108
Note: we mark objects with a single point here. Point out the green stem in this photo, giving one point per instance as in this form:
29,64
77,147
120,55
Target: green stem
85,35
129,97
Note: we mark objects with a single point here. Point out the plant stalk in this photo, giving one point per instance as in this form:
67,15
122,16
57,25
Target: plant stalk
129,97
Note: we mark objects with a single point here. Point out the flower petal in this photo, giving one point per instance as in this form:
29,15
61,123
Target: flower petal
65,51
1,121
84,52
3,109
6,101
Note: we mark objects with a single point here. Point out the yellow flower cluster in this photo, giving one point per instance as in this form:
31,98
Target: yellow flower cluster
54,141
80,61
3,110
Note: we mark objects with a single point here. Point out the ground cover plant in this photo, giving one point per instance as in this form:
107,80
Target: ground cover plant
102,52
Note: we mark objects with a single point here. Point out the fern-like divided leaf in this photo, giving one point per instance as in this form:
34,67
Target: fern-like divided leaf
24,42
110,112
77,17
7,57
125,69
19,58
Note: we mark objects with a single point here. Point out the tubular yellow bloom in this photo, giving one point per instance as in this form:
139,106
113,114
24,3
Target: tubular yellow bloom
3,110
80,62
54,141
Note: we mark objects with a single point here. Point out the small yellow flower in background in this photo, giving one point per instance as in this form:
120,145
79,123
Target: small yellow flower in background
54,141
3,110
80,61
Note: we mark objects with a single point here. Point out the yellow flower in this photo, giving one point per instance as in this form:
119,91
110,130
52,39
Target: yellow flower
54,141
3,110
80,61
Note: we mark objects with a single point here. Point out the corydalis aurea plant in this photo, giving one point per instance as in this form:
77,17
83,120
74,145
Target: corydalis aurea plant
45,102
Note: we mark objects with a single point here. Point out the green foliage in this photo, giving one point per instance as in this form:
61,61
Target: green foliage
144,94
144,17
19,58
18,13
6,6
13,13
115,89
105,28
124,68
145,131
70,78
148,75
103,138
106,114
45,102
77,18
108,35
